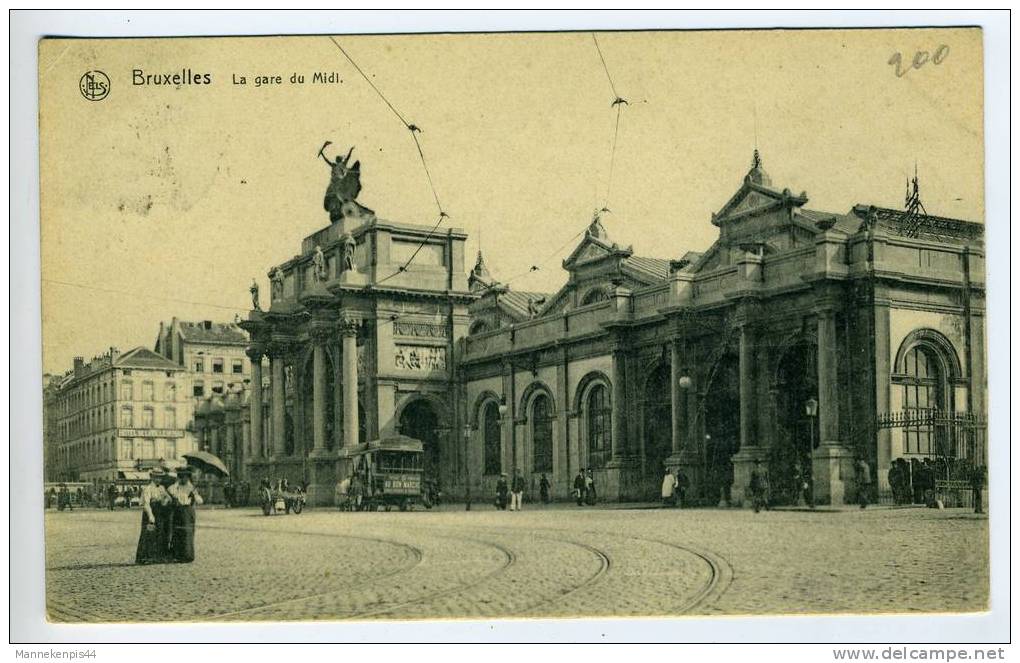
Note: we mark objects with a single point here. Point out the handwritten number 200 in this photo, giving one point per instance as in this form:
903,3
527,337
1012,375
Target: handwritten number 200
920,59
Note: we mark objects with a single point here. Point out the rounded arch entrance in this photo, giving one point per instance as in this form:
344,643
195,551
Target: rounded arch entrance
722,427
656,418
421,418
794,385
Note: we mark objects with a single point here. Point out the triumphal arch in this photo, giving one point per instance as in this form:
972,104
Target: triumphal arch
359,334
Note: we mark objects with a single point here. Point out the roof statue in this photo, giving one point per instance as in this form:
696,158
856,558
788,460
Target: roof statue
757,173
596,229
344,182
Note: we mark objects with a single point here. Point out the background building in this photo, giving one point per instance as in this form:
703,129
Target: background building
213,353
119,414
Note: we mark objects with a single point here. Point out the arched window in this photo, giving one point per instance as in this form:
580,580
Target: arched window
594,295
922,390
541,433
598,420
492,448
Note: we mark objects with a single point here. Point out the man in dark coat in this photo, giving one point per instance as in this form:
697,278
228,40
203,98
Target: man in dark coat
502,490
579,487
758,487
977,482
863,482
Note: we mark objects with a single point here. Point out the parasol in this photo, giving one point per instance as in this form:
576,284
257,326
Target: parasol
207,462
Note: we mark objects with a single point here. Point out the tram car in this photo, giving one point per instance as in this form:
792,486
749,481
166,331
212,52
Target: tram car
386,473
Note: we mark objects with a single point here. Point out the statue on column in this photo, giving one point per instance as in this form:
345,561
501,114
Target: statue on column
348,253
276,281
319,265
254,290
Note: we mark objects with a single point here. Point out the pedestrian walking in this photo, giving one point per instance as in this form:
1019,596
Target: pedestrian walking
682,484
977,482
579,487
502,490
185,497
543,489
154,539
863,482
758,487
669,484
357,491
803,485
590,496
516,491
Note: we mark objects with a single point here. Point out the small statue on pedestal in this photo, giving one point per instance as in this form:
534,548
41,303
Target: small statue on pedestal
319,265
254,290
348,254
276,281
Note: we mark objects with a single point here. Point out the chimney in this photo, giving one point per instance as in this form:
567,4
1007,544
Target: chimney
79,365
207,324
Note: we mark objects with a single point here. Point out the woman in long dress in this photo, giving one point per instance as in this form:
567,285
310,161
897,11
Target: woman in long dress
185,498
153,541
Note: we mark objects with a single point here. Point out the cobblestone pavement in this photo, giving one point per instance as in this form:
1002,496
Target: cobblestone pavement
553,562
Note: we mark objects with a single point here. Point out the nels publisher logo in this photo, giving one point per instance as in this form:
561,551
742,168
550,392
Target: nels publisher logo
94,85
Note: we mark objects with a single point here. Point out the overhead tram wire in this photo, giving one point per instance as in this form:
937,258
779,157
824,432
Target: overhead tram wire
145,295
415,130
618,103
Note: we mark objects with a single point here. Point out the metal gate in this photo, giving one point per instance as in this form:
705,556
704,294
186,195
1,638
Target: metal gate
957,449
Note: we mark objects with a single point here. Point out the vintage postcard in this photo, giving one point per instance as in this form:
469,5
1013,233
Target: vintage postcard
514,325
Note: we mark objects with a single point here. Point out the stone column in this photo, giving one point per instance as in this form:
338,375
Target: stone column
832,463
828,400
745,457
278,405
255,403
676,397
619,404
349,333
883,370
319,398
747,391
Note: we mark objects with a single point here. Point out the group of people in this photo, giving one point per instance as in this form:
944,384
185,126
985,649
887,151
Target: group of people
168,519
63,497
674,488
236,494
584,488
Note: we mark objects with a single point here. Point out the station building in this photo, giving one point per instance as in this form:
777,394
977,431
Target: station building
800,338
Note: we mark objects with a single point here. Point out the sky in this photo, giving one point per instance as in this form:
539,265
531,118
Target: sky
163,201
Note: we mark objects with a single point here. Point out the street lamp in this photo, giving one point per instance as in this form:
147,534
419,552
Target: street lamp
467,468
811,409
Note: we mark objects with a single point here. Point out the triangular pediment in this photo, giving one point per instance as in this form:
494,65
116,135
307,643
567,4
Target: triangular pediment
752,199
592,249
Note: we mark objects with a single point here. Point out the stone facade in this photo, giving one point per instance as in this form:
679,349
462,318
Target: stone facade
360,337
116,414
794,339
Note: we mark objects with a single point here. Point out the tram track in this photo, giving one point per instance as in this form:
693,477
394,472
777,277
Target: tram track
720,573
720,570
510,559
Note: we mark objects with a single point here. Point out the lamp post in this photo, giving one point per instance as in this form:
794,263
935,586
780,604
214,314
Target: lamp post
467,468
811,409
